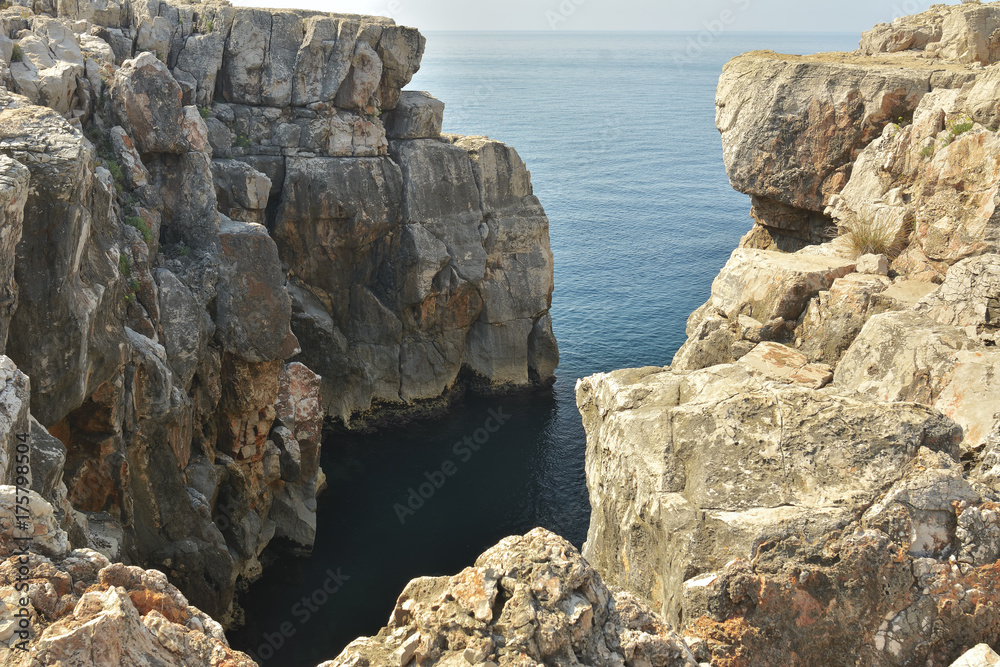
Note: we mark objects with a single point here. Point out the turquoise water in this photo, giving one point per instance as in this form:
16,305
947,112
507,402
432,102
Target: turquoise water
618,132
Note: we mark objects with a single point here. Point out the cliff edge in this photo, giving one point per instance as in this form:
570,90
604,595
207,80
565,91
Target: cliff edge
815,479
221,228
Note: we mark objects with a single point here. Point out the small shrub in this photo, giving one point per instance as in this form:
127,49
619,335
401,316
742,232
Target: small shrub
209,25
179,250
125,265
117,173
871,235
134,285
927,152
242,141
141,225
16,54
205,112
959,125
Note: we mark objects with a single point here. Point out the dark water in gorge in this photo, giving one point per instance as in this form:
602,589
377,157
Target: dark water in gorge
618,132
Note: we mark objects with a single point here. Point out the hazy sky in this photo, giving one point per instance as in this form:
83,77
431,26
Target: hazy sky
731,15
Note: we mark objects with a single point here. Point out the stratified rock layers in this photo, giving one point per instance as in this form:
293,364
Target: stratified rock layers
219,227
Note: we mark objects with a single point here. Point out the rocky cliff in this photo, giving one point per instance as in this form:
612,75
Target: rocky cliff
220,227
813,480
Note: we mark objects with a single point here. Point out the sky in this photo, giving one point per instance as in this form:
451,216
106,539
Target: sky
725,15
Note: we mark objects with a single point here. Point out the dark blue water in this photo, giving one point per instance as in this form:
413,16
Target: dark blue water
618,132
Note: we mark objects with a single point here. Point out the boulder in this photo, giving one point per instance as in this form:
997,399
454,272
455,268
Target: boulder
768,287
146,101
418,115
528,600
906,356
666,493
253,310
241,191
51,62
85,611
979,656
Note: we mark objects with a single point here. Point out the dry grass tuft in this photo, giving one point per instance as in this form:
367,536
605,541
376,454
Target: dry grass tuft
875,235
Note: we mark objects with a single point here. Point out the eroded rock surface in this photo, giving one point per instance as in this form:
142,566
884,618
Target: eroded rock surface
529,600
209,247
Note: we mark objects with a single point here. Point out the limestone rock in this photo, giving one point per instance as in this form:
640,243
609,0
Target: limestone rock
135,171
51,63
761,284
777,362
14,179
147,103
979,656
834,317
873,264
529,600
43,528
666,493
254,309
969,297
794,148
418,115
63,292
241,190
86,612
906,356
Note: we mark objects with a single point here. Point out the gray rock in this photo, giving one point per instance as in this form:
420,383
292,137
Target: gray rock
48,456
13,192
188,329
146,101
688,470
63,333
14,419
253,311
241,190
418,115
323,60
528,600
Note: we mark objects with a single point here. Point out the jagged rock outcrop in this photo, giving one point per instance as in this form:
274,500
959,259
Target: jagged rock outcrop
529,600
211,243
65,607
814,480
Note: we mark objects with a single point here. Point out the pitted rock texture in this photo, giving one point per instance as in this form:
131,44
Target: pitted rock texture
528,601
687,470
84,611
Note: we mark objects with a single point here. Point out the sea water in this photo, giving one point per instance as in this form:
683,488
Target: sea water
618,131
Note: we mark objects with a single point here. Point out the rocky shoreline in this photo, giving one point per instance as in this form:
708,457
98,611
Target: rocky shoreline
222,229
813,480
244,251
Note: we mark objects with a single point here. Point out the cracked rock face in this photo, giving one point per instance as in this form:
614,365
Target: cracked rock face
208,246
779,518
